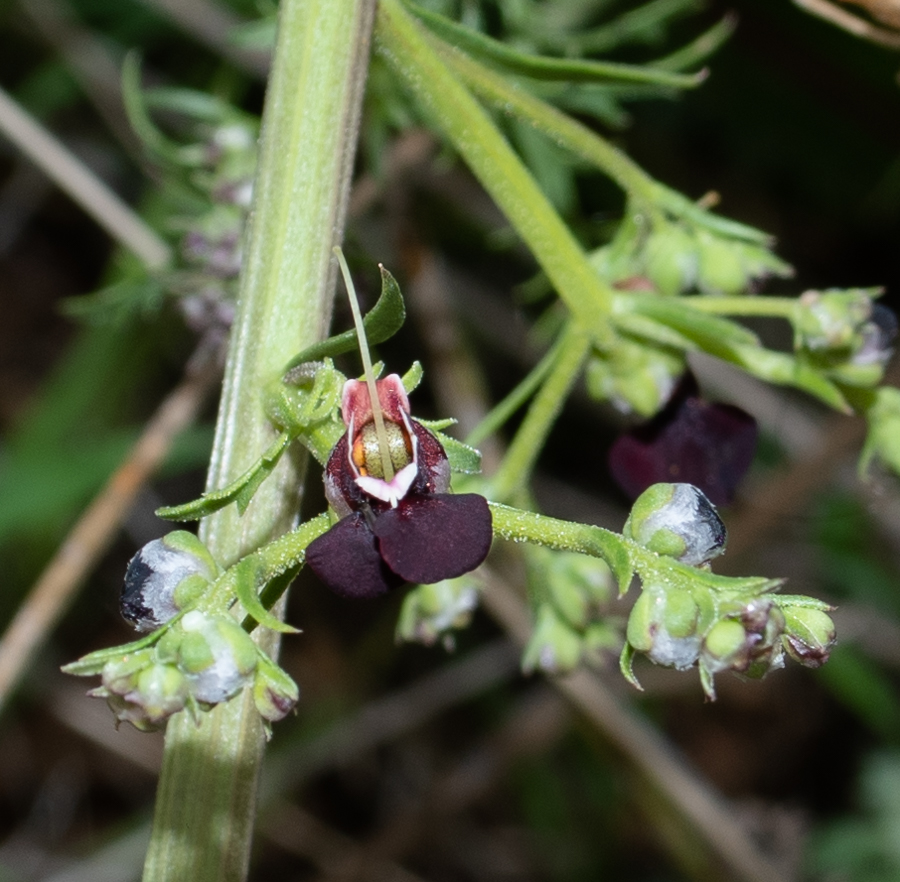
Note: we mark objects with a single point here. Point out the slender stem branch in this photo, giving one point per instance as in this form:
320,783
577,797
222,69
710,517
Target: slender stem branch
518,525
72,176
408,50
772,307
509,405
545,408
309,134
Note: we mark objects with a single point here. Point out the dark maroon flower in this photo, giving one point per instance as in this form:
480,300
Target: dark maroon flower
399,527
690,441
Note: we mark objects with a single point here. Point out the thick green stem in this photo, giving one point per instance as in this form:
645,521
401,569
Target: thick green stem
204,813
532,435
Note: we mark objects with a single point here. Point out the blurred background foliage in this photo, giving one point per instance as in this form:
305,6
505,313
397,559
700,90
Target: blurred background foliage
408,762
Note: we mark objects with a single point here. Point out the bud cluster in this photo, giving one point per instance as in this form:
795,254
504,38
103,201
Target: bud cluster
571,594
211,242
434,611
682,623
634,377
200,661
678,256
846,332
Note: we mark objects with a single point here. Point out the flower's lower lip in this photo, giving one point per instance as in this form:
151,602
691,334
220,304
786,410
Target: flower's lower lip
427,538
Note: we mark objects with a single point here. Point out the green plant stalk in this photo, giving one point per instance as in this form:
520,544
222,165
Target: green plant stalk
408,50
206,800
513,475
511,98
770,307
501,412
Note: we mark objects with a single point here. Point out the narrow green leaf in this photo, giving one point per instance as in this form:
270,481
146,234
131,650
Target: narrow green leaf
240,491
650,330
382,321
136,109
711,332
618,559
544,68
92,664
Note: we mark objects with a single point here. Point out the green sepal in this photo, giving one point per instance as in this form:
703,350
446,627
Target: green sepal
92,664
245,578
413,377
382,321
801,601
437,425
707,682
463,459
240,491
626,666
500,55
620,563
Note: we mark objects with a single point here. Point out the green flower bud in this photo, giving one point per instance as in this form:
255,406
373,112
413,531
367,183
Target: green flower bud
809,635
121,675
275,694
664,624
725,646
554,647
732,266
721,268
163,577
749,644
676,520
830,321
671,259
161,691
577,586
217,655
633,377
883,438
142,691
433,611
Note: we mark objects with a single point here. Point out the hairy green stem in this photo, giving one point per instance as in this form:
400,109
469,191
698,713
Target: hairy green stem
204,814
532,434
409,51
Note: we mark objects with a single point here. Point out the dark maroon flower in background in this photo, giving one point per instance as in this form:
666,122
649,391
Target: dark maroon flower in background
689,441
400,528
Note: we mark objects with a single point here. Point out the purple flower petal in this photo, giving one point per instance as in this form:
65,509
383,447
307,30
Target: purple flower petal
690,441
435,536
346,559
